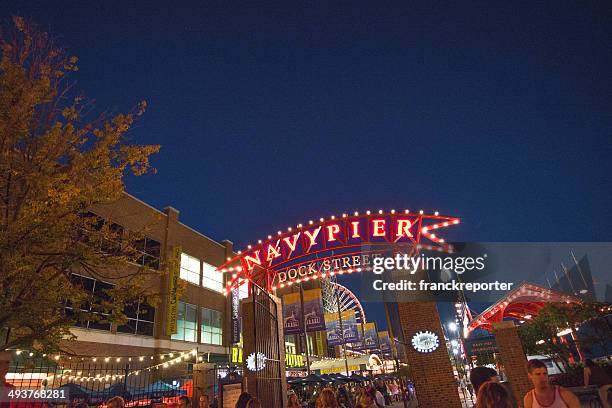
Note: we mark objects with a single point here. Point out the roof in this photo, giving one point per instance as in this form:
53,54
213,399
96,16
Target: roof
523,303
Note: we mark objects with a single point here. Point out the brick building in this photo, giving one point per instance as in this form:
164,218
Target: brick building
202,308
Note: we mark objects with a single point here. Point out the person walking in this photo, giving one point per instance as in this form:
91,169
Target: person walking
367,399
253,403
243,400
545,395
595,375
292,400
327,399
493,395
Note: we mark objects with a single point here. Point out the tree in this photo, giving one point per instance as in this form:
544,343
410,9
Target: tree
55,164
539,335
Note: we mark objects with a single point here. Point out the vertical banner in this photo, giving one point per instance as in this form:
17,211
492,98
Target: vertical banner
332,325
174,265
385,342
292,313
235,338
313,310
370,336
349,325
360,345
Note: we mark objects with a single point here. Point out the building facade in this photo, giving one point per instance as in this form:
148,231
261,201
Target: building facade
202,309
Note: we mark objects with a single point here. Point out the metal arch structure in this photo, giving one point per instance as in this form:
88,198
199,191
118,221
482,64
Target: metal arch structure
522,303
294,252
334,294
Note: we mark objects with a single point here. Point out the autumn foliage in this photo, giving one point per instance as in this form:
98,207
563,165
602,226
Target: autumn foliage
57,160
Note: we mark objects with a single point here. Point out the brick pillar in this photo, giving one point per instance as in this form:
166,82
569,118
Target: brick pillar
432,373
512,357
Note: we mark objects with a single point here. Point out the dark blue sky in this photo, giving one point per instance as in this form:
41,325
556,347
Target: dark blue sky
270,115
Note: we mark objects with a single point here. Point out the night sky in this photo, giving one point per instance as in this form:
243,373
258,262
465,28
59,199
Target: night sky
271,115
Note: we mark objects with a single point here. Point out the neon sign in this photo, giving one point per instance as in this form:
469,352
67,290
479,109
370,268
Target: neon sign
299,253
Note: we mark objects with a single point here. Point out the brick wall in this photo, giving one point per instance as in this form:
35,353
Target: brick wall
432,373
513,357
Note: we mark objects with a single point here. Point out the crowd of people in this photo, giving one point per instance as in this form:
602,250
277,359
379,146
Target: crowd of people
376,394
491,394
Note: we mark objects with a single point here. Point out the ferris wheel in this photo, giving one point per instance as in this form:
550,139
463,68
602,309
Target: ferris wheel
335,294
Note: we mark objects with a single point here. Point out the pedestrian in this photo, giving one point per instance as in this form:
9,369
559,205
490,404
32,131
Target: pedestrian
493,395
243,400
253,403
292,400
545,395
367,399
184,402
595,375
115,402
480,375
327,399
379,398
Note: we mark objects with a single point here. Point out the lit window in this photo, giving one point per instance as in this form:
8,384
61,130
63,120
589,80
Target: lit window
212,279
186,323
190,269
243,290
212,327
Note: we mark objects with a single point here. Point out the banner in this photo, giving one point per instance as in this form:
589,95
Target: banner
292,313
370,336
385,342
174,265
335,335
313,310
350,327
332,325
235,337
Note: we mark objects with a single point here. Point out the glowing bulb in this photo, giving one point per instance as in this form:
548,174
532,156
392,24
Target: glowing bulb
421,212
356,213
368,212
380,211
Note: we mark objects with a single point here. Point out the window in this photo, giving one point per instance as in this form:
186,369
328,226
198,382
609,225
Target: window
243,290
148,251
141,319
84,313
186,324
212,279
190,269
212,327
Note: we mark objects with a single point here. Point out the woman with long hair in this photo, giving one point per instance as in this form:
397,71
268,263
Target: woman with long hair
292,400
327,399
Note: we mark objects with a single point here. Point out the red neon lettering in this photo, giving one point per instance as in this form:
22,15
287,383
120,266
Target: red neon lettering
332,231
273,251
252,261
291,242
312,235
403,228
355,229
378,227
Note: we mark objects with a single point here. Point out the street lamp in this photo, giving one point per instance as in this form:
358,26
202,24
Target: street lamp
452,326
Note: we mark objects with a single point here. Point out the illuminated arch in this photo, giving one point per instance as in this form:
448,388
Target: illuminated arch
259,263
